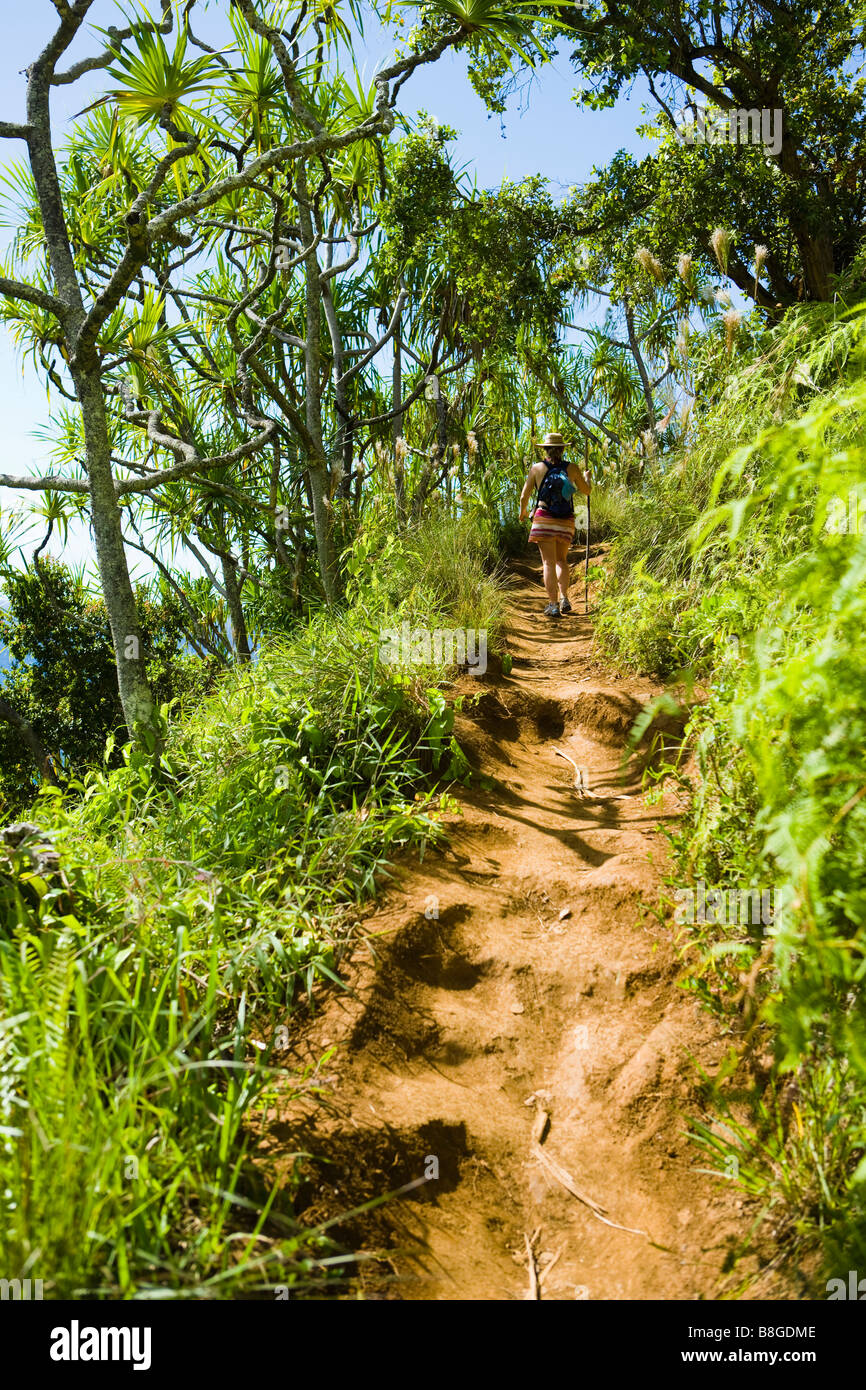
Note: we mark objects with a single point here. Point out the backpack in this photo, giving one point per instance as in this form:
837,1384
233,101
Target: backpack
556,490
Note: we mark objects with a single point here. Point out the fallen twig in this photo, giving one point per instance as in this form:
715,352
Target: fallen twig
534,1292
565,1180
548,1267
580,785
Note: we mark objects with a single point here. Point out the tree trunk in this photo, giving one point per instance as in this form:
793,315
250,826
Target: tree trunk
345,424
135,695
322,525
397,427
815,244
240,636
442,425
32,740
318,465
641,365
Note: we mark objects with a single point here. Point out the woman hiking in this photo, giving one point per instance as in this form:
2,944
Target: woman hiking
553,520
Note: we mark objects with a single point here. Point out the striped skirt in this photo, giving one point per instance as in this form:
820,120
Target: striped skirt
551,528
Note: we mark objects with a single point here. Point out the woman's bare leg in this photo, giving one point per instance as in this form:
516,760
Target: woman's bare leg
563,573
548,565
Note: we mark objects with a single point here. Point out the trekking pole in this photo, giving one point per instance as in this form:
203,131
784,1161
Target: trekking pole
586,566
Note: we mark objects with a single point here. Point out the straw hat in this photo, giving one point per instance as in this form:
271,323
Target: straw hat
551,441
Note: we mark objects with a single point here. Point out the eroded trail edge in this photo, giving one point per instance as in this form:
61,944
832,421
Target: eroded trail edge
513,1014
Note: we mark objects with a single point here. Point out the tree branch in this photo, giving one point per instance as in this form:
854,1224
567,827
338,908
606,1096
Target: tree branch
195,632
31,294
31,738
377,347
109,54
136,252
409,400
49,484
192,463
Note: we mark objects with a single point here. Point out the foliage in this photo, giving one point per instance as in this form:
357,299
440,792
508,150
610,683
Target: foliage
757,589
62,677
196,903
315,358
809,69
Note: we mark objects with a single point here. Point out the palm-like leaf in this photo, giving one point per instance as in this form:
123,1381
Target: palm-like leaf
508,26
152,79
19,209
255,95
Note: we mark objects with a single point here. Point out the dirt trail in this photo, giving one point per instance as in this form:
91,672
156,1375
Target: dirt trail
545,986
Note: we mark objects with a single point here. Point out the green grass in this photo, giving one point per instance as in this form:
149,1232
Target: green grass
199,903
725,573
608,512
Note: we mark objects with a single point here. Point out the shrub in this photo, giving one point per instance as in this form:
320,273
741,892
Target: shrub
197,900
756,582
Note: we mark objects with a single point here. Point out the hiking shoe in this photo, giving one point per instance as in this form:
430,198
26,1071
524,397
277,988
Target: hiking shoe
552,610
564,605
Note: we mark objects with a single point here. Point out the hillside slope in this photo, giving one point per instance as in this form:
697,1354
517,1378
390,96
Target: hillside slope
512,988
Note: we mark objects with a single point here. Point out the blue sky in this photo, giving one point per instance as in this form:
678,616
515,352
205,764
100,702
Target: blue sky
542,131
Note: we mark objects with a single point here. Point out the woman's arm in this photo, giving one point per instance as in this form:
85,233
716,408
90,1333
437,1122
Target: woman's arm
580,482
531,482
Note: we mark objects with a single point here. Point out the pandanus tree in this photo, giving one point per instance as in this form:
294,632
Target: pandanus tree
204,150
